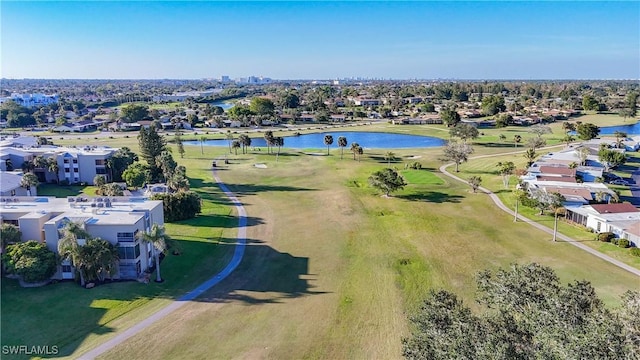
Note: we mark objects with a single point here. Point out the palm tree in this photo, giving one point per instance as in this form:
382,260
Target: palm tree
69,249
354,149
52,166
202,140
229,137
27,166
342,143
279,142
517,139
28,181
235,144
620,136
158,239
328,140
389,156
268,137
245,141
103,258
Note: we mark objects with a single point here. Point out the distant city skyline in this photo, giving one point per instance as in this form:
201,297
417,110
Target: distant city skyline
320,40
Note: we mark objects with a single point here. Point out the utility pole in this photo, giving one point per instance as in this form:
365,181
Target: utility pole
555,226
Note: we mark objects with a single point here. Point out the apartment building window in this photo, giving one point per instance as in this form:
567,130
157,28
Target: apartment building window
12,222
66,170
101,171
66,161
100,162
66,268
75,170
126,236
75,161
129,252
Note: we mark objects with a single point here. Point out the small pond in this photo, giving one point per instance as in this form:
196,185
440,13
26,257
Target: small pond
368,140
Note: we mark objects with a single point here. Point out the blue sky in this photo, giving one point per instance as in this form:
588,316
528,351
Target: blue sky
320,40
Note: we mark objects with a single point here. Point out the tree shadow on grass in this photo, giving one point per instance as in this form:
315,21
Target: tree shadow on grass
219,221
496,145
432,196
265,276
252,189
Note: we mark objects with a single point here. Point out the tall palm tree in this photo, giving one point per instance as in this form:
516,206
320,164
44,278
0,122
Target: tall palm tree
158,239
245,141
389,155
342,143
202,140
28,181
229,137
103,258
620,136
235,144
354,149
328,140
69,249
268,137
53,167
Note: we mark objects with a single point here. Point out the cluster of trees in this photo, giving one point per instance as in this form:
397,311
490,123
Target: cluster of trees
181,205
31,260
526,314
16,115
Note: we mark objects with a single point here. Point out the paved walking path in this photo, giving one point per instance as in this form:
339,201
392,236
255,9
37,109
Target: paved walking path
232,265
562,237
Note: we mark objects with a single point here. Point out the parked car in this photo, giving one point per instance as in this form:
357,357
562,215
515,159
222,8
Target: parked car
619,182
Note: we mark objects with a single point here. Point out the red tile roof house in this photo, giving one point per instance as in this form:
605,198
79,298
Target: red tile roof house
601,217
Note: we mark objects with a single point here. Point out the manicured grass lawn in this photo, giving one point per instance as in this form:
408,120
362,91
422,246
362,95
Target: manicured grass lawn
421,177
332,269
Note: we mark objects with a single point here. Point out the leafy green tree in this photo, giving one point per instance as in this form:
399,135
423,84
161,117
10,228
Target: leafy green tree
536,142
239,112
290,101
99,180
387,180
342,143
450,117
134,112
136,175
631,103
464,132
590,103
525,314
568,139
587,131
540,130
119,162
568,126
9,234
506,169
181,205
503,120
328,140
458,153
611,158
31,260
493,104
261,106
166,164
178,180
158,239
151,146
475,182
